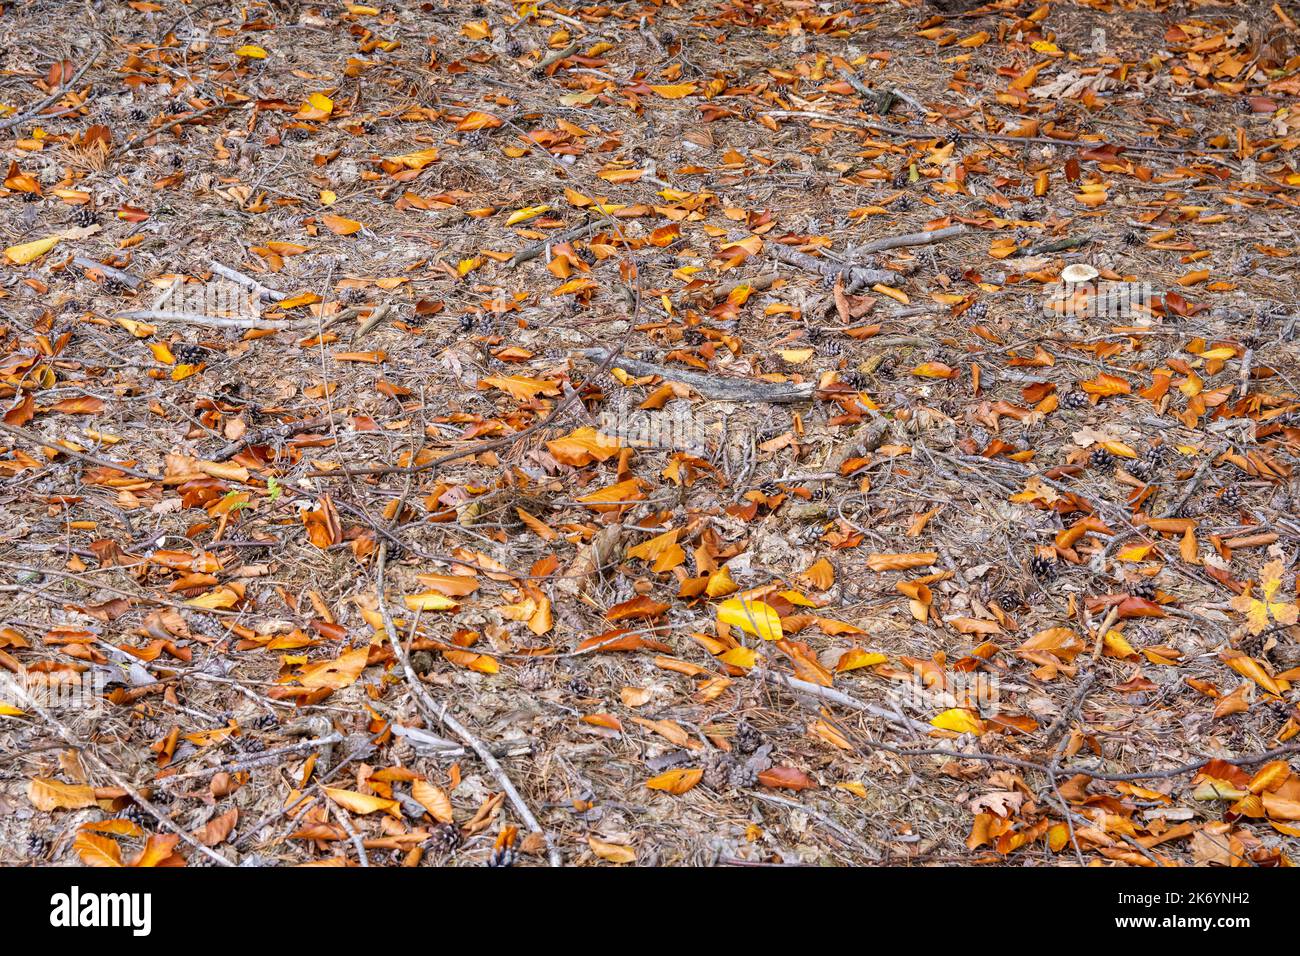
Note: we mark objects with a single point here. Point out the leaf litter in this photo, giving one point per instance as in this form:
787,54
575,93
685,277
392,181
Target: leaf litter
634,433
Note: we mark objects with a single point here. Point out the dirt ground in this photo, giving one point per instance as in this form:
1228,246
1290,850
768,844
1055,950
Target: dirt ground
454,434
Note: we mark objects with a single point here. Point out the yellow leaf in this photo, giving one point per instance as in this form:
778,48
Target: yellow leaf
582,447
363,803
752,617
429,601
959,720
520,386
318,107
416,160
720,583
528,212
856,658
745,657
251,52
31,251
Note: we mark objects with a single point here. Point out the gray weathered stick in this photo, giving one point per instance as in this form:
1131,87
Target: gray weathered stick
715,386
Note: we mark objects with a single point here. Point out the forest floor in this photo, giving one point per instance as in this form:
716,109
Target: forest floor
453,434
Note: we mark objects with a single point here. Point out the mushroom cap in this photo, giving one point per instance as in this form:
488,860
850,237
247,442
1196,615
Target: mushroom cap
1078,272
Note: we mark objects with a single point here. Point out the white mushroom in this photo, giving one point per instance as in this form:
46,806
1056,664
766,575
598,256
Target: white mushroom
1078,273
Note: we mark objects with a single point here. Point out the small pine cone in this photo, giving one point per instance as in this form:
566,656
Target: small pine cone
1008,601
114,286
1102,460
830,347
514,48
85,216
587,256
1144,589
1132,238
254,745
693,336
902,179
747,738
136,814
903,204
37,846
266,722
1043,568
137,115
1075,400
770,488
466,323
1230,497
186,353
200,860
445,839
978,310
742,776
31,197
474,140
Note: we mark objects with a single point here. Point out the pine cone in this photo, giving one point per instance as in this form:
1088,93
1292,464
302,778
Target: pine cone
186,353
747,738
1043,568
1102,460
446,838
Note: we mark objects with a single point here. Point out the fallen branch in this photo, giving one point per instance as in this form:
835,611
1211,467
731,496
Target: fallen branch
283,430
910,239
529,253
714,386
248,282
836,697
856,278
261,760
123,277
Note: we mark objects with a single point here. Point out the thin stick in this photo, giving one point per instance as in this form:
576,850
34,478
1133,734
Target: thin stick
261,760
346,822
135,141
84,456
439,713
